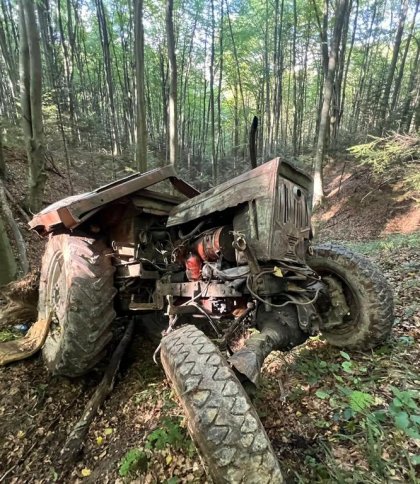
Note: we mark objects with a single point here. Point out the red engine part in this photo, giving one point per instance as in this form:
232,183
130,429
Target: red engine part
214,243
193,265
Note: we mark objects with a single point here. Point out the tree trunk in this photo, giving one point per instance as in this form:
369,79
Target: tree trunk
2,162
331,63
105,41
141,148
7,261
397,85
31,89
172,108
211,101
391,71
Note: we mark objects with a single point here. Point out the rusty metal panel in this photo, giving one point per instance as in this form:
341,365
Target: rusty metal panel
72,211
254,184
274,212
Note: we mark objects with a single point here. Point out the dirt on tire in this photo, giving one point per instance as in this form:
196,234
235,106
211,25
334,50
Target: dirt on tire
76,286
221,419
372,305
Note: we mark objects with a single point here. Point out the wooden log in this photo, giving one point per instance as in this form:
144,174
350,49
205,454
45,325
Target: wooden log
77,436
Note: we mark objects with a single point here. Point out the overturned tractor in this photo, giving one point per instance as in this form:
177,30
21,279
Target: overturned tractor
213,265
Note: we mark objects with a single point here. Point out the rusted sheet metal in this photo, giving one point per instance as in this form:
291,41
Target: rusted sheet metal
248,186
273,211
254,184
72,211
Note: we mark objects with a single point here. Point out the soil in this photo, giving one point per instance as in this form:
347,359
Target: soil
361,206
313,436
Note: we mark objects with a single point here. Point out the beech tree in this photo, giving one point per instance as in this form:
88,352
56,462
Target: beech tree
141,147
329,60
173,82
31,102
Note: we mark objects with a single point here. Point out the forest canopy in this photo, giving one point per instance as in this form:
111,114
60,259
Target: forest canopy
107,67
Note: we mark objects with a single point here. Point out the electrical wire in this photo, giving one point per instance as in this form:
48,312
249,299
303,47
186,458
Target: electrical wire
203,311
292,301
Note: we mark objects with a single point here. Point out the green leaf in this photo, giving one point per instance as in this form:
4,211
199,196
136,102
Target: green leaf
405,398
413,433
401,420
379,416
322,394
415,460
345,355
359,401
415,419
348,413
347,366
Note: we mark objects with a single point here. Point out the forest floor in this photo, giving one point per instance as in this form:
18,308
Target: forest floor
331,416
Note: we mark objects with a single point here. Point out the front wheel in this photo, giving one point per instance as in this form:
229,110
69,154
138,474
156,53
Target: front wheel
221,419
361,309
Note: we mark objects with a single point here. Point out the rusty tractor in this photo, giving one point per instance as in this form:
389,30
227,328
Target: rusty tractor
211,266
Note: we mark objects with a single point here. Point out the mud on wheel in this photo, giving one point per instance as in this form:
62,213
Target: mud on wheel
359,286
221,419
76,291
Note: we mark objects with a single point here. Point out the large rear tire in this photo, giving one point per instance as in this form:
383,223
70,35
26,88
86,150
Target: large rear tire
221,419
77,292
367,294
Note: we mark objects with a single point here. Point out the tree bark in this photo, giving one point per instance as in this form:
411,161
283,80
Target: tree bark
31,91
20,246
383,113
172,105
141,148
330,62
2,162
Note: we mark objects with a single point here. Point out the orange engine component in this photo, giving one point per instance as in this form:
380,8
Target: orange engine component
214,243
193,265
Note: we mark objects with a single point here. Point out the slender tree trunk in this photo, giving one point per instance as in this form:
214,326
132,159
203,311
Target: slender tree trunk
331,62
141,148
399,78
172,111
294,67
31,90
412,92
2,162
211,100
105,41
219,89
383,113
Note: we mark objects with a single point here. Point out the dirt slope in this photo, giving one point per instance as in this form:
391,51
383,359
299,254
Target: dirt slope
359,206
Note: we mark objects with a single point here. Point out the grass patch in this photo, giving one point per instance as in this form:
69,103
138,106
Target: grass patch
135,460
8,335
388,244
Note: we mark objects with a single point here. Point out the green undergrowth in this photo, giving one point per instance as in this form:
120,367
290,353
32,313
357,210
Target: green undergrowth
353,417
387,244
8,335
162,445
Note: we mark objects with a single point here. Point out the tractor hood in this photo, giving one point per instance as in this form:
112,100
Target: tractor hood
70,212
255,184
